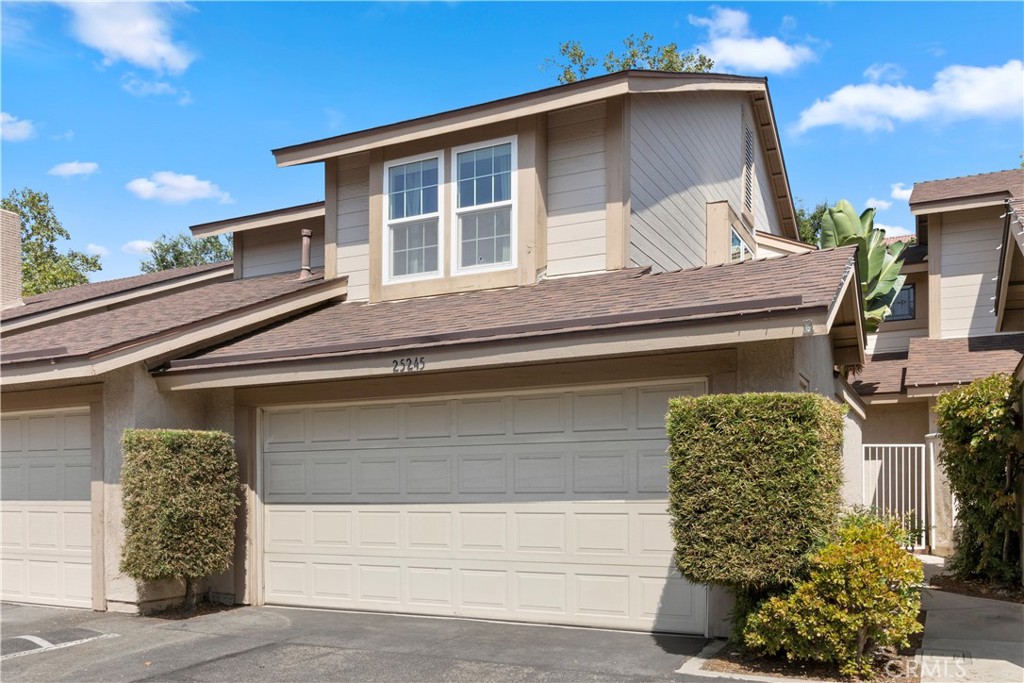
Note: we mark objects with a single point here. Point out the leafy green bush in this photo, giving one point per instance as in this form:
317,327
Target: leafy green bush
180,493
862,593
754,485
906,529
983,456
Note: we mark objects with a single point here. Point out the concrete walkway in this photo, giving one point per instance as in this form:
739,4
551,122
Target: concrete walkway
970,639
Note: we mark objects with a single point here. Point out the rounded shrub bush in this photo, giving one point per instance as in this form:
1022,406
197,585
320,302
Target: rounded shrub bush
862,593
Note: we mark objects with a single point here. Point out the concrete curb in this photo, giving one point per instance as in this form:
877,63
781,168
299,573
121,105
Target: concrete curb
694,666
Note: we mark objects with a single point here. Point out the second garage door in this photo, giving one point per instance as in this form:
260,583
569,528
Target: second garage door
545,507
45,473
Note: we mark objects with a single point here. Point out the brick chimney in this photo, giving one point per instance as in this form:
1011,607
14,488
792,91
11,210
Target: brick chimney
10,259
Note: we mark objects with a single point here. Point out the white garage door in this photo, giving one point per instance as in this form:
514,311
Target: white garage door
45,468
545,507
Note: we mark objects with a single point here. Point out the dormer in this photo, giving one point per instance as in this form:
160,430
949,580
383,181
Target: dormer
630,169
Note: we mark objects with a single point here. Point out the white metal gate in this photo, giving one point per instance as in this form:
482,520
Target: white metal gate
897,480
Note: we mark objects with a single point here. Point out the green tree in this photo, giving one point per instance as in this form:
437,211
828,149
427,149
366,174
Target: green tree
44,267
575,63
880,264
182,251
809,223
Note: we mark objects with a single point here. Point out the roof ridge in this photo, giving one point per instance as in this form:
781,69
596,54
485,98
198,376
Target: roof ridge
969,175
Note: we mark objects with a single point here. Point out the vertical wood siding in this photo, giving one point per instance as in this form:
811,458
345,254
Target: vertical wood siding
970,263
279,250
576,190
354,225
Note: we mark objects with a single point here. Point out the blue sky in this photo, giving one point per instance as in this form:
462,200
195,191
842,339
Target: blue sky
143,119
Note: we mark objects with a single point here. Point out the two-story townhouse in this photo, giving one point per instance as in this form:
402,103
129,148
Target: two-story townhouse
447,382
944,332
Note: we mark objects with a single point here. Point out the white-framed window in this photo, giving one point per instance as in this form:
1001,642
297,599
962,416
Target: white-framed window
483,206
413,234
738,249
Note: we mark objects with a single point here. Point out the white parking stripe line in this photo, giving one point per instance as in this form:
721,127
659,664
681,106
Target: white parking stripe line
49,647
35,639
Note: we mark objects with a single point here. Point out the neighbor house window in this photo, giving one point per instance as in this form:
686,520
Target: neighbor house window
903,307
738,249
413,212
484,216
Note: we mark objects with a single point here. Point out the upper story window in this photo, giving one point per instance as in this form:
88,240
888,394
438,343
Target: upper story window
903,306
484,212
738,249
413,233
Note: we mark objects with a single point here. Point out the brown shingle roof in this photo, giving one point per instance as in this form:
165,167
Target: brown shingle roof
615,299
882,374
938,362
95,290
107,330
1010,182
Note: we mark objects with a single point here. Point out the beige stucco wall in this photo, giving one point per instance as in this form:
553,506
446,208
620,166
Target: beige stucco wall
853,441
131,400
891,423
942,542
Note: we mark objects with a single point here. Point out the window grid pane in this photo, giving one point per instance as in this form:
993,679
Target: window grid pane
486,237
484,176
412,189
414,248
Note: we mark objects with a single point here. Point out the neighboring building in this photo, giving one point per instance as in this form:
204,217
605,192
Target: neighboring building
945,330
462,411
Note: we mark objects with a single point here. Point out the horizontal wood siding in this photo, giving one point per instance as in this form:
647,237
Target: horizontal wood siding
577,192
354,225
279,249
970,264
893,341
685,150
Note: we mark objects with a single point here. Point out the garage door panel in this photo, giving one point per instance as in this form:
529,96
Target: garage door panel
546,507
46,511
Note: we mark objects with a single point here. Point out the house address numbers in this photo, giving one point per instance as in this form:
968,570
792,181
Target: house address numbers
415,364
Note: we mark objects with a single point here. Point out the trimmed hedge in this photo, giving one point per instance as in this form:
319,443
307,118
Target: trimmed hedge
754,486
180,493
983,456
862,593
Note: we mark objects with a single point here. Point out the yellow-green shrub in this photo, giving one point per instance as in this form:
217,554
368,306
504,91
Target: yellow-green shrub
180,495
862,593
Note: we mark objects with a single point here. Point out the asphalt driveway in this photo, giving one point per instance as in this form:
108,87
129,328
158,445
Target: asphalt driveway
276,644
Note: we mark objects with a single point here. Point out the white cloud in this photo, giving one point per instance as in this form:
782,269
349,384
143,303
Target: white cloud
900,191
958,92
138,247
893,230
135,32
66,135
884,72
733,45
13,129
72,168
96,249
176,188
877,204
141,87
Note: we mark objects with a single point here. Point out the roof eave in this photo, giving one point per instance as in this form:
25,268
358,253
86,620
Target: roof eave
173,342
548,99
657,337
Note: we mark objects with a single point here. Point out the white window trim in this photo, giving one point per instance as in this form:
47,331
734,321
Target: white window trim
439,215
744,247
456,241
